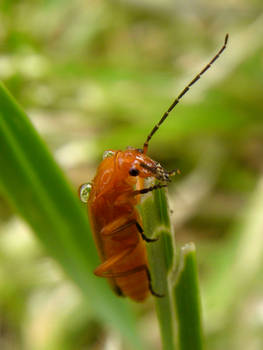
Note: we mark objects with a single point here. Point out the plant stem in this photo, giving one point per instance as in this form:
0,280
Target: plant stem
187,301
156,223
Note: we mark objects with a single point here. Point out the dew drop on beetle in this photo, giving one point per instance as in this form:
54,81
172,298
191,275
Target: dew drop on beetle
107,154
84,192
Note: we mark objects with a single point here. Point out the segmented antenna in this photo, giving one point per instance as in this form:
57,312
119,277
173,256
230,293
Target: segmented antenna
184,91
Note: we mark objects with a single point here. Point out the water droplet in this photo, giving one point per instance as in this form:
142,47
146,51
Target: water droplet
84,192
107,154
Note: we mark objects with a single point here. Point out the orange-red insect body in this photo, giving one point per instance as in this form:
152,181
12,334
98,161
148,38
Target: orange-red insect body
116,223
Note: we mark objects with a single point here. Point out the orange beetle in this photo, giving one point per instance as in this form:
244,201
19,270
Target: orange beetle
116,223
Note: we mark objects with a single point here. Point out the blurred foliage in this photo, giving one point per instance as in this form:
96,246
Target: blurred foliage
98,74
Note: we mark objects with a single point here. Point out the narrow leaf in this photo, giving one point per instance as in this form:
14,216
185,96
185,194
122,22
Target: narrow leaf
38,191
187,301
156,222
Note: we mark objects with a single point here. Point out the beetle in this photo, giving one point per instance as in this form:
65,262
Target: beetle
116,224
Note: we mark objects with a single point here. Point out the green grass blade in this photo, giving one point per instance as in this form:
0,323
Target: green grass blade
242,256
187,301
38,191
156,223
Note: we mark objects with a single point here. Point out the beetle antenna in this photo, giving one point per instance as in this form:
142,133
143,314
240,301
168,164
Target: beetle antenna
182,93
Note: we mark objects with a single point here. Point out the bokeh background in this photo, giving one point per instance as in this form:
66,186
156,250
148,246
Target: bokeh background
94,75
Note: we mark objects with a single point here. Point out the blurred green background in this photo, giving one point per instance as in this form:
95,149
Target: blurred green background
94,75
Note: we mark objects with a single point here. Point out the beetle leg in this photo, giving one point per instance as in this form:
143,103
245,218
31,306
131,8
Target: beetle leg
105,273
117,225
121,224
117,290
103,270
145,238
150,284
110,274
148,189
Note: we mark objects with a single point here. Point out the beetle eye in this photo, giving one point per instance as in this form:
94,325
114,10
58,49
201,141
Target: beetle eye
134,172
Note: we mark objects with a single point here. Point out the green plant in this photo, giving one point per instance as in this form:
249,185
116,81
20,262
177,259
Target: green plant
38,191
